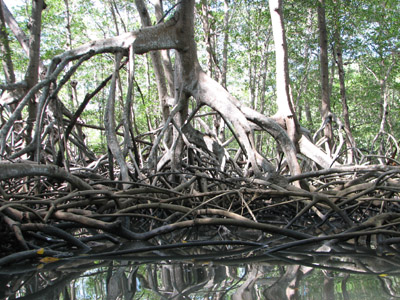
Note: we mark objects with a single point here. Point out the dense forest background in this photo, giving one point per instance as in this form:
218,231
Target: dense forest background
236,48
135,119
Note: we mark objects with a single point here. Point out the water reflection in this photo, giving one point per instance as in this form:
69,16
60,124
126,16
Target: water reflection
243,273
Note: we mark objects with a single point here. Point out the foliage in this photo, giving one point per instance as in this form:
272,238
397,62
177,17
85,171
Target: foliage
369,32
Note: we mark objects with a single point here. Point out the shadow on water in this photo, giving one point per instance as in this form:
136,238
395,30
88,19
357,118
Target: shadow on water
214,271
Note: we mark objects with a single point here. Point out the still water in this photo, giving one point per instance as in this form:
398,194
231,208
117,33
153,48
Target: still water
217,272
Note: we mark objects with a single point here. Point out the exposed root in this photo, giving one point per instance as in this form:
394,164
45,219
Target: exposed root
42,211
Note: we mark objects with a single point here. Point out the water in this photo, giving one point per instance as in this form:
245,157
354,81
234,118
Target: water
207,272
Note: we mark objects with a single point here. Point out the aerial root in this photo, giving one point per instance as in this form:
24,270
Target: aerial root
40,212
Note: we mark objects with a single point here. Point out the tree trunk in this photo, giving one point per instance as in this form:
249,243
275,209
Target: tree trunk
325,100
384,98
263,85
8,66
14,95
68,26
303,86
161,80
224,67
129,137
207,33
32,73
219,125
350,142
286,115
109,122
165,55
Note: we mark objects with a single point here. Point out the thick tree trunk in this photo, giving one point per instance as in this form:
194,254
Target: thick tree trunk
195,82
164,97
165,55
32,73
286,115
